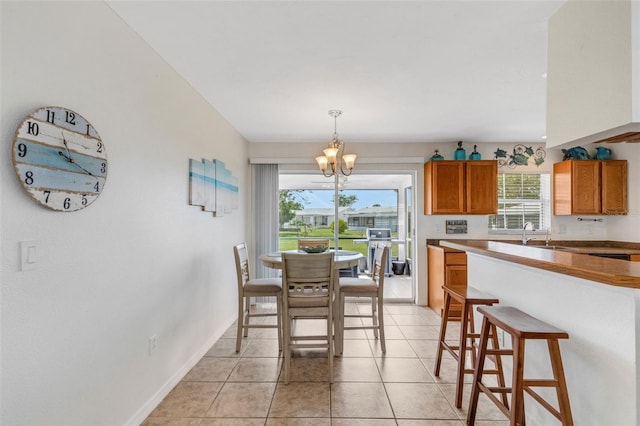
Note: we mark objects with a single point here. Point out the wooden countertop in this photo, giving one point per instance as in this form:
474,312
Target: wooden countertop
614,272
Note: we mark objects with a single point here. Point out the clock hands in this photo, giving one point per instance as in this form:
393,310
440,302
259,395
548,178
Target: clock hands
64,141
68,157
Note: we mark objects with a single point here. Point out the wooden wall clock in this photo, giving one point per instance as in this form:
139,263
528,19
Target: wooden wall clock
60,159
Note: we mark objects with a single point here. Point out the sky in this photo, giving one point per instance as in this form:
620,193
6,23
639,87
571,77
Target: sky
365,198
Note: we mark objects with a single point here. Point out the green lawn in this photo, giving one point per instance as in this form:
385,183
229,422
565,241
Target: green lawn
289,240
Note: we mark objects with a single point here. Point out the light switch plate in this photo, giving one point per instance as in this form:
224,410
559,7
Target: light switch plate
29,255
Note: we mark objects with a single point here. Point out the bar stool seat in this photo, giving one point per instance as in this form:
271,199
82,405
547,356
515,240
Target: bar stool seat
521,327
467,297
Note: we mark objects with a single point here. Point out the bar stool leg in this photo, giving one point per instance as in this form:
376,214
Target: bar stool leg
561,388
472,340
443,332
477,375
498,362
462,355
517,385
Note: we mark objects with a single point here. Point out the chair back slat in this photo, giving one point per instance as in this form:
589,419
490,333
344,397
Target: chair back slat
242,263
380,260
307,275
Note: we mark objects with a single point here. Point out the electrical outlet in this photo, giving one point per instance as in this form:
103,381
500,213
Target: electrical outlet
153,344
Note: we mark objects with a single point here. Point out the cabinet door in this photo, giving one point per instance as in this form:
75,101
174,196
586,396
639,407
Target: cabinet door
435,274
585,187
444,187
614,186
562,188
456,274
482,187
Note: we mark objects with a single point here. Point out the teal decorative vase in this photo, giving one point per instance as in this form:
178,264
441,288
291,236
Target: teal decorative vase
602,153
475,155
436,156
460,153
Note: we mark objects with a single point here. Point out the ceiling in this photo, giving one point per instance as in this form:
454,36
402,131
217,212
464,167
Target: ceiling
401,71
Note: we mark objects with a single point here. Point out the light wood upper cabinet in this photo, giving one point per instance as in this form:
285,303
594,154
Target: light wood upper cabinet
590,187
614,186
444,187
482,187
461,187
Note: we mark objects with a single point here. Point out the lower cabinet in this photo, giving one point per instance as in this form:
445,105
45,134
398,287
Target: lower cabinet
444,265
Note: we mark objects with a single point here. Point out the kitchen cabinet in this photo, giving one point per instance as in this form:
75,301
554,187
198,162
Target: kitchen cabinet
461,187
448,266
590,187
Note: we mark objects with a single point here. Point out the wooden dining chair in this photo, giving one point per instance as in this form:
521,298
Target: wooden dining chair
365,287
254,287
308,294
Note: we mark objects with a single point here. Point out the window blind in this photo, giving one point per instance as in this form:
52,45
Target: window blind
522,198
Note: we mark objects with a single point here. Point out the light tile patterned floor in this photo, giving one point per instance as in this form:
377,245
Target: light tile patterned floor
369,389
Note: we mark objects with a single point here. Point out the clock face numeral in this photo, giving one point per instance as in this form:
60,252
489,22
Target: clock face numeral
60,159
64,201
33,128
70,117
28,177
22,150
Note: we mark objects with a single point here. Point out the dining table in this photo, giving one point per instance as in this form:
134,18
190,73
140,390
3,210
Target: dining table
343,259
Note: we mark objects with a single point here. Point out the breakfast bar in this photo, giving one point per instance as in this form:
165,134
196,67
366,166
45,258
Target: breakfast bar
596,300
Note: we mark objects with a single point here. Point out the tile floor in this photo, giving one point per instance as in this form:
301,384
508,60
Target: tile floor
397,388
398,287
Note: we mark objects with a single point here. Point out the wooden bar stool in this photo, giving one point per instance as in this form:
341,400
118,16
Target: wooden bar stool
521,327
467,297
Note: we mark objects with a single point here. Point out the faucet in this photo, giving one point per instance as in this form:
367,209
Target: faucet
547,239
525,240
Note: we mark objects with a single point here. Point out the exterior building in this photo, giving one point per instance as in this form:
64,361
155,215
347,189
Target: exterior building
366,217
374,217
320,217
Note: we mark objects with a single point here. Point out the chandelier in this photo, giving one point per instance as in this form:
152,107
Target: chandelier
334,159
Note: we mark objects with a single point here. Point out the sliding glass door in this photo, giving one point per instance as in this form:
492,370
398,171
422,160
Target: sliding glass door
365,202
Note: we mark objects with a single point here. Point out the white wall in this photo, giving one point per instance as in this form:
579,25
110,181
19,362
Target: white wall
600,358
139,261
593,84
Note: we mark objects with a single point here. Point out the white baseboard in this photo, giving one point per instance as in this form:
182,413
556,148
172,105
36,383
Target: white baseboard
164,390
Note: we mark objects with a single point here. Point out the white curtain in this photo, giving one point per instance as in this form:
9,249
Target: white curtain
266,200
